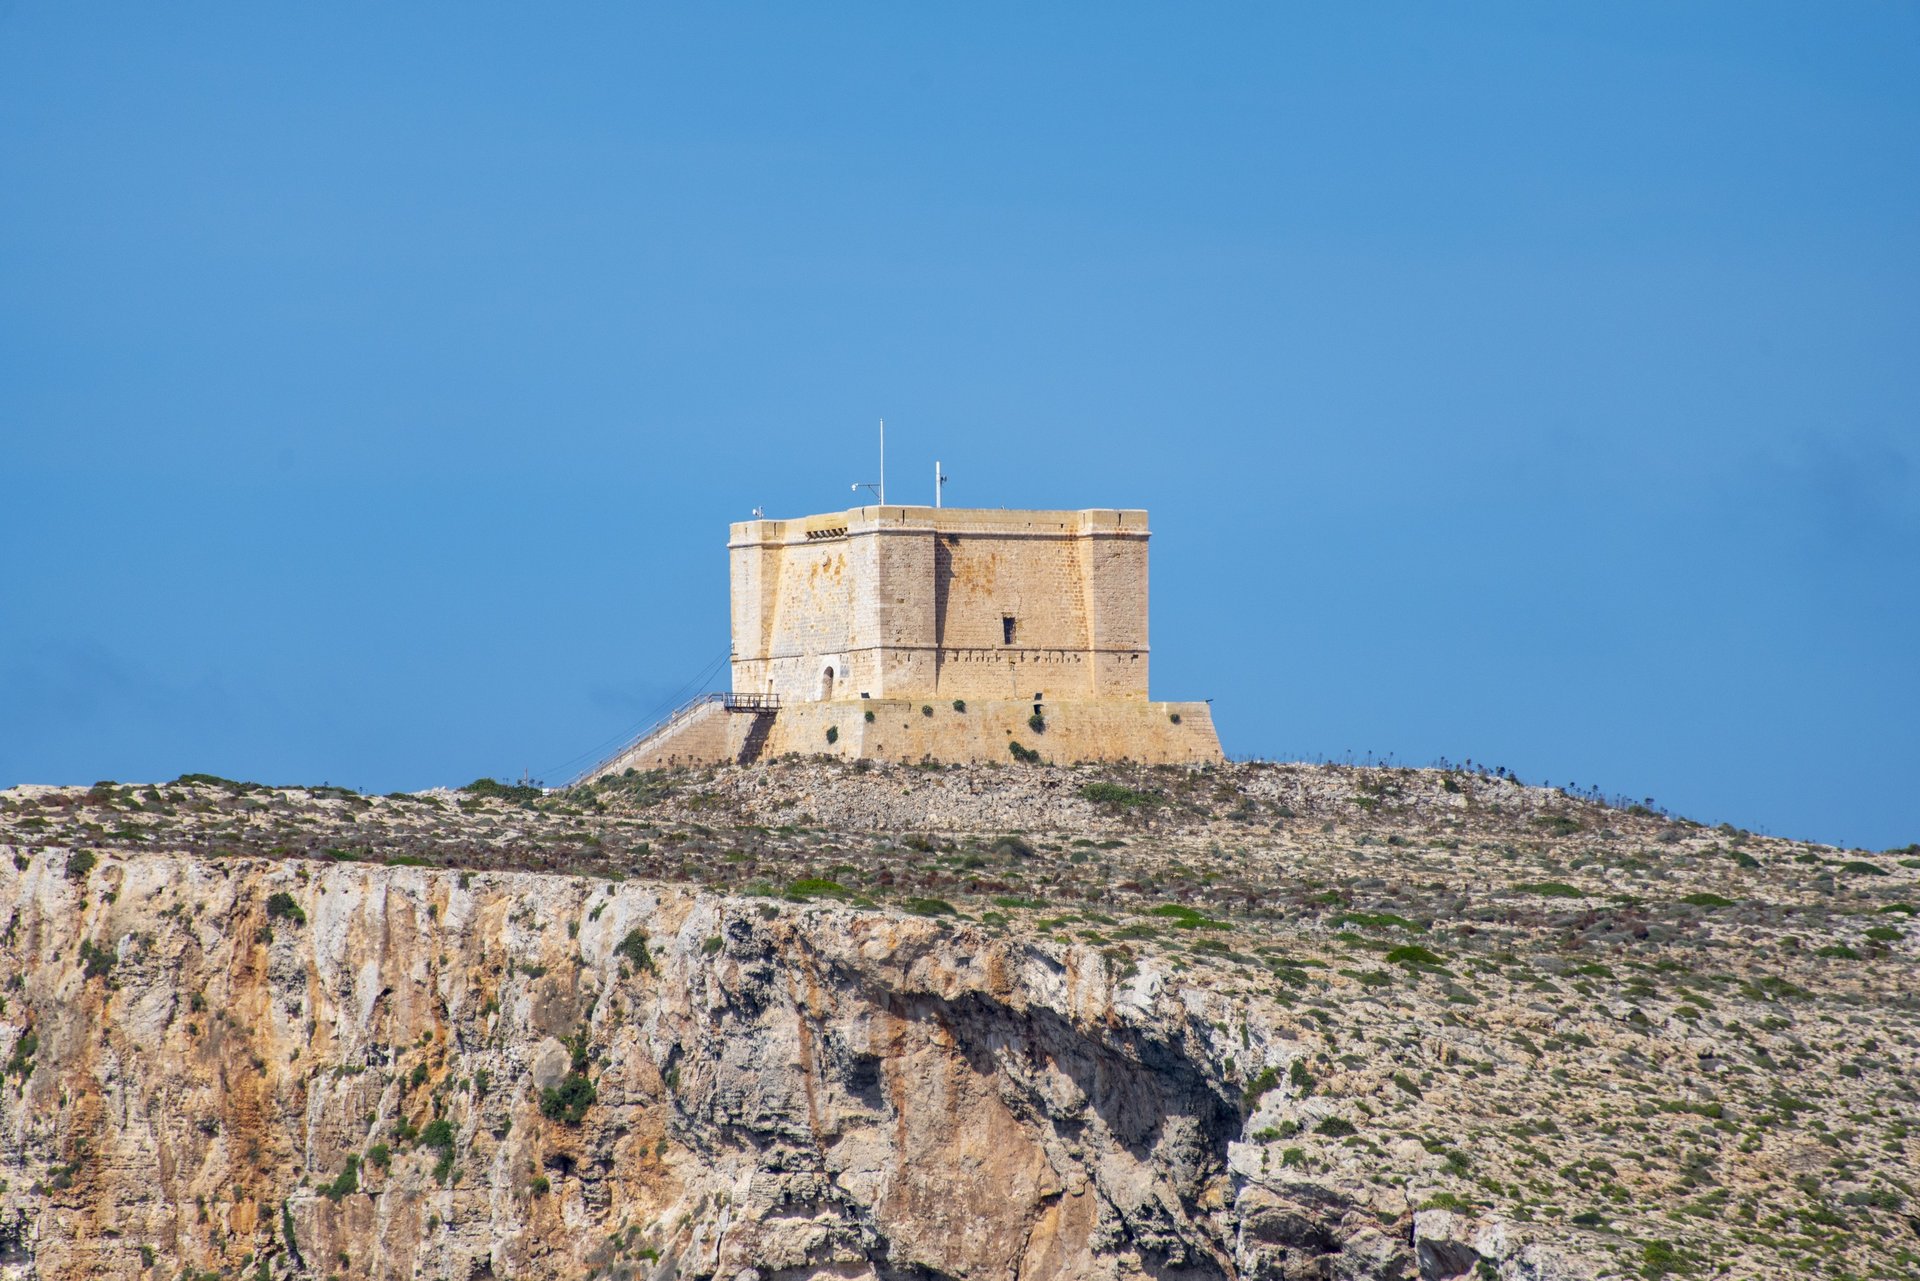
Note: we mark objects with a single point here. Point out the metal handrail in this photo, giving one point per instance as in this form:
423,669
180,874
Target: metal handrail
666,723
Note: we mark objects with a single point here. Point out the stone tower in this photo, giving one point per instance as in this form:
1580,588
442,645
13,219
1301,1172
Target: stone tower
950,634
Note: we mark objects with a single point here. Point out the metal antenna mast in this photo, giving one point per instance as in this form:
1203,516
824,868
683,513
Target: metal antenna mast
939,482
880,489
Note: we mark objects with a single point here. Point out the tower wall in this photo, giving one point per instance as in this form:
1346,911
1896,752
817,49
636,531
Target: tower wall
913,602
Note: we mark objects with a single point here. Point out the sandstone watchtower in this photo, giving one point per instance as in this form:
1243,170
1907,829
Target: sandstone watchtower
909,633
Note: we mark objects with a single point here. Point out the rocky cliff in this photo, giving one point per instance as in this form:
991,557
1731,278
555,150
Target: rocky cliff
1185,1049
729,1085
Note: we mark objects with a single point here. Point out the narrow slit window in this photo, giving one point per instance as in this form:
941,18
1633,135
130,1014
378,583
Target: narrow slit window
1006,629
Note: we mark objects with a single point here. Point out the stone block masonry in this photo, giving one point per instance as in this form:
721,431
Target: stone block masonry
906,731
1087,730
879,623
909,602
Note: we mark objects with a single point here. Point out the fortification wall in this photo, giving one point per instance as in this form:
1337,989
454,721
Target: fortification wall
916,602
911,730
1084,730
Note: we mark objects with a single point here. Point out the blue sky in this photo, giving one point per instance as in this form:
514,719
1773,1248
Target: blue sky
1535,384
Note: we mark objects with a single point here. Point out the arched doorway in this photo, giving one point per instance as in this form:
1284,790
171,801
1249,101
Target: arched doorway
826,684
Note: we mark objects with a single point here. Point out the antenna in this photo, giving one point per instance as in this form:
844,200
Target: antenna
879,489
939,482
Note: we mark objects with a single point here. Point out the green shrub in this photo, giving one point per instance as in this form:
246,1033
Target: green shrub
929,907
347,1181
1861,868
1447,1201
539,1185
214,780
286,1230
1704,899
833,733
1182,917
1551,889
1335,1128
1379,921
380,1156
1124,798
1300,1078
1022,753
568,1102
816,887
1174,717
1037,723
1414,957
1663,1258
516,793
79,863
280,906
634,948
438,1135
926,709
959,704
869,717
1268,1080
20,1063
96,962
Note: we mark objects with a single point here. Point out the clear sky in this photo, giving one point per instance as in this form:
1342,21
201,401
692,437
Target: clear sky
1538,384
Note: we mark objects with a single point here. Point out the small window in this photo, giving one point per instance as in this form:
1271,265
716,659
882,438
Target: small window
1006,628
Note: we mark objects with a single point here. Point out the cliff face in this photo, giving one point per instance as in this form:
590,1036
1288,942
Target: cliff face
774,1090
872,1021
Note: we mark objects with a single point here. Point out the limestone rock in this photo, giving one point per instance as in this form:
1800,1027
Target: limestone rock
814,1020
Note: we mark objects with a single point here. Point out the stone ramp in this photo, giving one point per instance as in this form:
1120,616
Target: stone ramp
695,733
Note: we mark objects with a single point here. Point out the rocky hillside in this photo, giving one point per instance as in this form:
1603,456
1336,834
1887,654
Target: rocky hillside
812,1019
